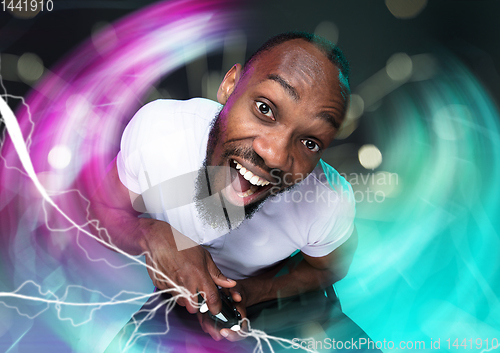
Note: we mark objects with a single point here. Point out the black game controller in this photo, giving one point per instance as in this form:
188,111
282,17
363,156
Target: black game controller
228,317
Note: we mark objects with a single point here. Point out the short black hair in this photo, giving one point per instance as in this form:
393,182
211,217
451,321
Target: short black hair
331,51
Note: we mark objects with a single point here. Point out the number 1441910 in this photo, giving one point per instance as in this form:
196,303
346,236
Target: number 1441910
478,343
27,5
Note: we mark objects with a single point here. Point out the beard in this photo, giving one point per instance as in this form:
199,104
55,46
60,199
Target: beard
213,208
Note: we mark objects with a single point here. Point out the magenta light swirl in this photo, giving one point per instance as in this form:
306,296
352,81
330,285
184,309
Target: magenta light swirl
83,105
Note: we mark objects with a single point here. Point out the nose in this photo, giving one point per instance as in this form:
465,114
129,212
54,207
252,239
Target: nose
275,149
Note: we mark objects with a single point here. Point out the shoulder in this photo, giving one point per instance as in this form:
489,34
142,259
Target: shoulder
323,192
330,208
331,188
162,110
334,206
167,116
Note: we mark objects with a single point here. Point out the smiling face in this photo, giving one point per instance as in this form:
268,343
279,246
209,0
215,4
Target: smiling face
278,117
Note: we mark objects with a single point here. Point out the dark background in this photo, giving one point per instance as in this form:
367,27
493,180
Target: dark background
368,32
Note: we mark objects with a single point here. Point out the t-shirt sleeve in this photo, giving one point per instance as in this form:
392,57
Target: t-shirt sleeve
137,133
334,225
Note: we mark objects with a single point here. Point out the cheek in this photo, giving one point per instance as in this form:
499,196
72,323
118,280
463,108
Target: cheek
240,122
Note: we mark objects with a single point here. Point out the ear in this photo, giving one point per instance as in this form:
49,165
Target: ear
228,84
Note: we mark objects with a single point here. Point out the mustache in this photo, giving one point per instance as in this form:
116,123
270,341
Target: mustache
247,153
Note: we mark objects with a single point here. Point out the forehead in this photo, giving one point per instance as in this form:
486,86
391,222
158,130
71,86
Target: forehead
301,64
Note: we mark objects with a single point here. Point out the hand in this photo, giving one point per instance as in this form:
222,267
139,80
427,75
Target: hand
244,294
240,299
216,330
191,268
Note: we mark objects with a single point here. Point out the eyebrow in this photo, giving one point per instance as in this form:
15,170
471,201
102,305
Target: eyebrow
290,89
295,95
329,119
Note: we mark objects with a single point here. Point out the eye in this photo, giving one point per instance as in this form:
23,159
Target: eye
265,109
311,145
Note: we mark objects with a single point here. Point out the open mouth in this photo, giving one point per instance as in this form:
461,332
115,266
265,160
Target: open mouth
246,185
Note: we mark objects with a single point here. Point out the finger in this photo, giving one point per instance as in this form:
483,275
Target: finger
217,276
235,295
200,320
209,326
244,324
244,319
211,296
231,335
191,304
181,301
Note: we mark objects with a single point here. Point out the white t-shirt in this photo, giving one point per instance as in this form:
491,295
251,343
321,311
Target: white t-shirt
162,149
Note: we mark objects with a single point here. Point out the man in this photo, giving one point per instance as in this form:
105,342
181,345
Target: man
215,180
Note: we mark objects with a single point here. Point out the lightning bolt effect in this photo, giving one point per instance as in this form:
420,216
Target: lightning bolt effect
55,152
97,93
427,263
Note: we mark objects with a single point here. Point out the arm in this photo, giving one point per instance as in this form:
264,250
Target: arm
191,268
111,205
308,274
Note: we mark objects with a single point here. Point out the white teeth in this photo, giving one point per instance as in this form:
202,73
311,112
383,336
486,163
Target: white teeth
248,175
251,177
249,192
